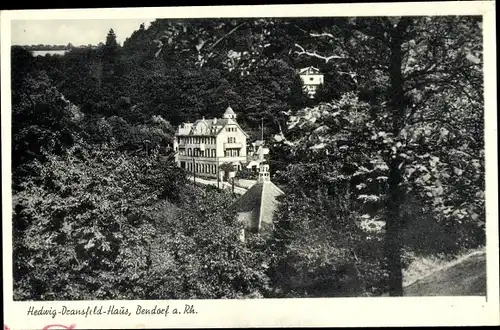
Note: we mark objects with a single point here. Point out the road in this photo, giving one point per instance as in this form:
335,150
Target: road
223,185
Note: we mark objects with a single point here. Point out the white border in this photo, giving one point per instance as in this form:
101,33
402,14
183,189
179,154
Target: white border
432,311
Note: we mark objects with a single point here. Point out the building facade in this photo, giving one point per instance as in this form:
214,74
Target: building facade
201,147
255,152
312,79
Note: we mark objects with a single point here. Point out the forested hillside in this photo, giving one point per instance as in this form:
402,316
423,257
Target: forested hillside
385,165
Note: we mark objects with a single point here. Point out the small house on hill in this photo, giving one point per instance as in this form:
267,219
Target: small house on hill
257,206
312,79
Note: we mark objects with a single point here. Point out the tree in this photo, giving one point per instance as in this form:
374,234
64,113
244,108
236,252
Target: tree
269,92
200,256
43,122
327,152
416,62
83,225
111,40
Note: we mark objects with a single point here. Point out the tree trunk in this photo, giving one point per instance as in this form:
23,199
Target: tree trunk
393,223
393,232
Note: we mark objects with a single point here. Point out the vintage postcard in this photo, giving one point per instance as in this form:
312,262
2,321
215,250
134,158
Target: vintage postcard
250,166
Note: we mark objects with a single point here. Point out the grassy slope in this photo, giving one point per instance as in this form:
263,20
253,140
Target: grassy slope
466,276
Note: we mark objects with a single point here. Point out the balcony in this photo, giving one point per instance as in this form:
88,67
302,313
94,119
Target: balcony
235,145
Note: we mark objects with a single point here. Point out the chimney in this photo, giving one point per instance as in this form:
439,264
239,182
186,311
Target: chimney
215,121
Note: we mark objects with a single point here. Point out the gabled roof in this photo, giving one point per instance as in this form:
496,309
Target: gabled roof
257,206
258,143
229,111
209,124
309,70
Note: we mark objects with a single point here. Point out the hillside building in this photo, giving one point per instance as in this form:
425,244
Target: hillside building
254,152
312,79
204,145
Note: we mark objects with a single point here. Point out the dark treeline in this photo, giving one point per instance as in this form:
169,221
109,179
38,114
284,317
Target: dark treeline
385,165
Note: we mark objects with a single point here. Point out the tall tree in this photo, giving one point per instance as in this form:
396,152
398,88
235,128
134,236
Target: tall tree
416,62
111,39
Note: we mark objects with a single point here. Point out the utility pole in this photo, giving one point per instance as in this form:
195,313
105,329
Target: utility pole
217,171
146,144
262,129
194,172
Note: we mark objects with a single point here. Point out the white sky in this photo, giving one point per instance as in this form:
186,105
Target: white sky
78,32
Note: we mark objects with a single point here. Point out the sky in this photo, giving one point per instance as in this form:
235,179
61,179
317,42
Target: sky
78,32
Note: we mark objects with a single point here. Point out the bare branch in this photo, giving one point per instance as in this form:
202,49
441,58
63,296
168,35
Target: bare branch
324,34
314,54
226,35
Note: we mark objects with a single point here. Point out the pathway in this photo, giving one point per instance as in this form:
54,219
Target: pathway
223,185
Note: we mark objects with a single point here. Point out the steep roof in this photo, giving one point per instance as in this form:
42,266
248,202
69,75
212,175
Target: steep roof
211,127
258,143
257,206
229,111
212,123
309,70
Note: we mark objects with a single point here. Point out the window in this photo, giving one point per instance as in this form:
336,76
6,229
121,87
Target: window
311,79
189,151
231,139
213,152
214,169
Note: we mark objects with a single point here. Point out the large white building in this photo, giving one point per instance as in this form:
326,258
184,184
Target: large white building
201,147
312,79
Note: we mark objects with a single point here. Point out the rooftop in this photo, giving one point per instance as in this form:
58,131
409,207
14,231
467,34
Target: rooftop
209,127
229,111
309,70
257,206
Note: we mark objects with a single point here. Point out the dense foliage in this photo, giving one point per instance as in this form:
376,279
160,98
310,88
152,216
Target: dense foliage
387,161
